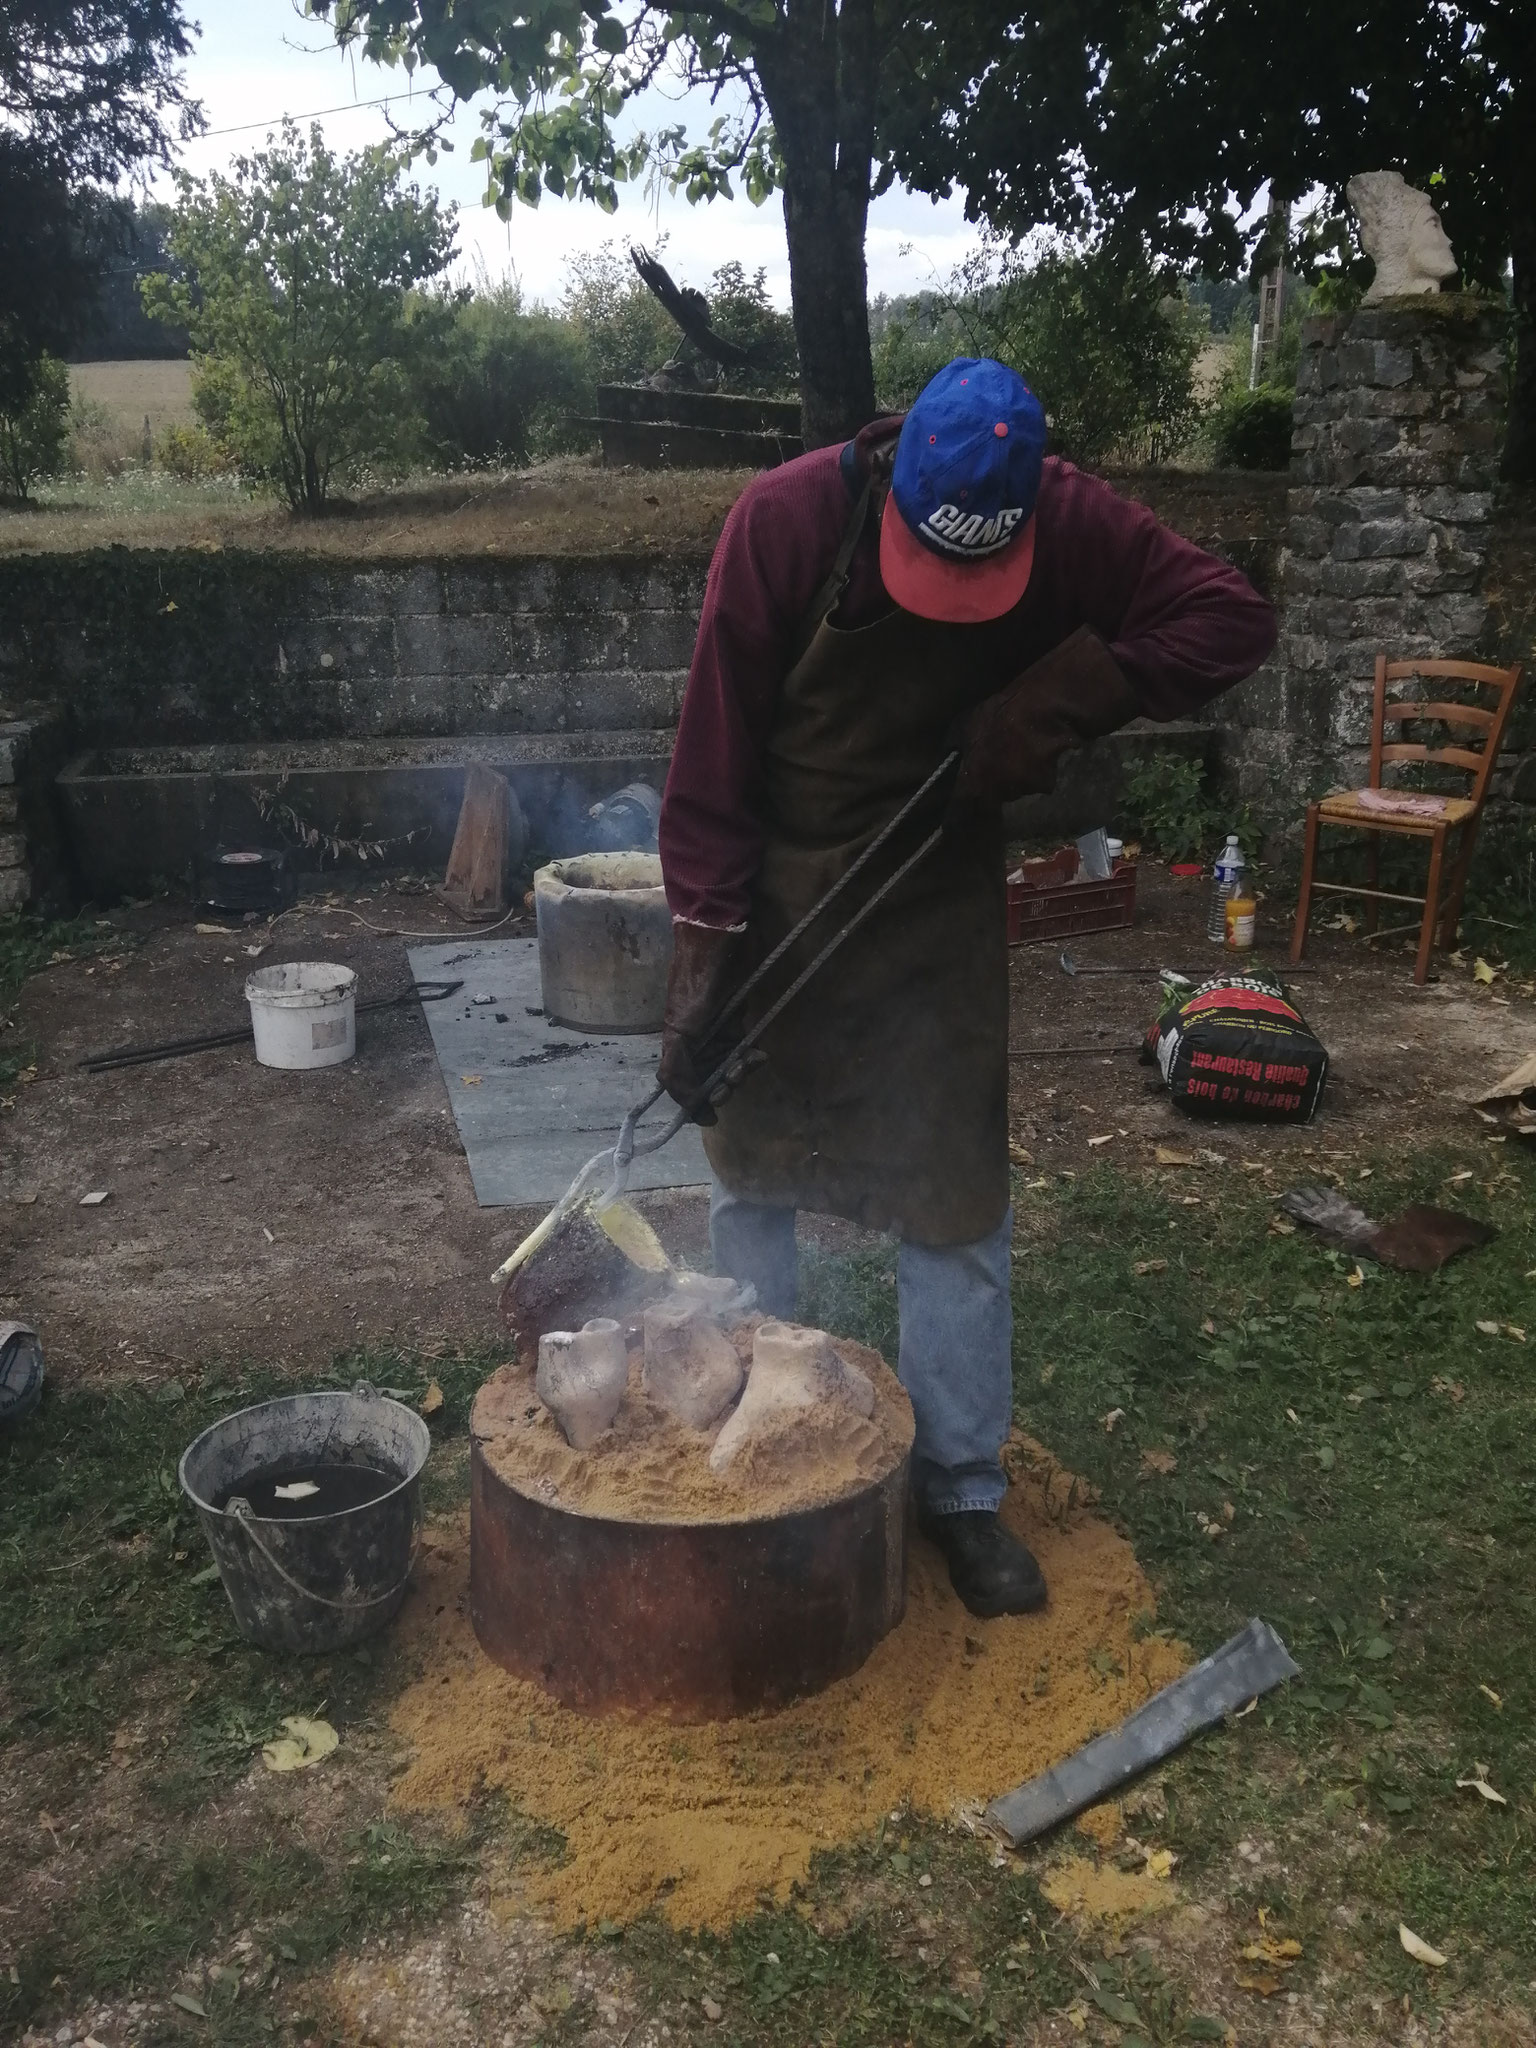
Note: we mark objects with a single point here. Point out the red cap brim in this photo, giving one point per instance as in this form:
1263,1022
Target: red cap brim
958,593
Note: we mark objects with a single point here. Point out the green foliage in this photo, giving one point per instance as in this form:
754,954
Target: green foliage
1167,803
190,453
35,433
502,381
626,331
1252,429
740,310
1094,331
293,278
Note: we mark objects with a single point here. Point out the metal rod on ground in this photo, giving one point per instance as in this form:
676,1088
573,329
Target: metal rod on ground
1070,964
208,1041
1062,1052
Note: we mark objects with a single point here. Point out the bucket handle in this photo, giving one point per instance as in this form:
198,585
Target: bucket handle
245,1515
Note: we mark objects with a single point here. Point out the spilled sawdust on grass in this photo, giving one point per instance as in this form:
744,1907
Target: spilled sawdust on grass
1098,1891
703,1823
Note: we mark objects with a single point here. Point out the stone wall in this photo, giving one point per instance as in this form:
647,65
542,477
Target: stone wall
146,648
1397,432
33,866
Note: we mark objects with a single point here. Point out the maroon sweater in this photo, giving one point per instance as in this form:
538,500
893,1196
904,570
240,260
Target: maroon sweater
1182,625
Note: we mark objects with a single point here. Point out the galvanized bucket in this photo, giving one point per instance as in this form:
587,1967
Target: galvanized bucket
318,1584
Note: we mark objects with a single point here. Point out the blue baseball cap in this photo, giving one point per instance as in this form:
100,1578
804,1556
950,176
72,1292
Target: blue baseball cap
957,537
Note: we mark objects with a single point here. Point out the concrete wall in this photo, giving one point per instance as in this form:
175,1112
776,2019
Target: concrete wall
145,648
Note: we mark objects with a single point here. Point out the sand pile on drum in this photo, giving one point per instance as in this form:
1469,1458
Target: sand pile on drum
820,1418
704,1823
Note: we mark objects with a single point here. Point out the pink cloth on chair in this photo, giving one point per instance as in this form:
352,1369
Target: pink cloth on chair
1405,803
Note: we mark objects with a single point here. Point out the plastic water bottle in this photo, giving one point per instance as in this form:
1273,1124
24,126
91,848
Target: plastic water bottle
1226,881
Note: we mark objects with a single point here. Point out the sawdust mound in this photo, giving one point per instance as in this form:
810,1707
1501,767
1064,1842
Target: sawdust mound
703,1823
651,1468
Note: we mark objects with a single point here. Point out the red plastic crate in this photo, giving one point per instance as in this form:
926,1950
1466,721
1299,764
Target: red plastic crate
1045,902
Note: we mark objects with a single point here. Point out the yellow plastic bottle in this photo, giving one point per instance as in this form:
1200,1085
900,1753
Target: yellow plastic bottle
1242,914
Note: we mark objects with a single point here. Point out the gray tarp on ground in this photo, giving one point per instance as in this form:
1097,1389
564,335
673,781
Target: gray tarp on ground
530,1120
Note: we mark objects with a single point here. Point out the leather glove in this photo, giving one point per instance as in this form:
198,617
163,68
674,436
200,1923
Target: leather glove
706,967
1011,743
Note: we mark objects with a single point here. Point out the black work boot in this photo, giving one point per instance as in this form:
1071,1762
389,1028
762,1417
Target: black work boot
991,1570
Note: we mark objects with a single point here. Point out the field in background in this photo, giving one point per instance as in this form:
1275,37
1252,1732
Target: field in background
129,391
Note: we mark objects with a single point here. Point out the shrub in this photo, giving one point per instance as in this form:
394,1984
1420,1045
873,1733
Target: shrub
1093,331
1167,804
34,436
292,282
191,454
740,310
504,382
1252,429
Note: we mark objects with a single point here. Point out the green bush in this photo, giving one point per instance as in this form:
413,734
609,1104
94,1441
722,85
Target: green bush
33,438
740,310
293,276
1252,429
504,381
1094,332
191,454
1167,804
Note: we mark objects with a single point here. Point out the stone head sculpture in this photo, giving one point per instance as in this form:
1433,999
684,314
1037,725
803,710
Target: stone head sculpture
1402,235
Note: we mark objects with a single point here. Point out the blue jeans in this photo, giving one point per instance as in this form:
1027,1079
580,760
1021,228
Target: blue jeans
956,1340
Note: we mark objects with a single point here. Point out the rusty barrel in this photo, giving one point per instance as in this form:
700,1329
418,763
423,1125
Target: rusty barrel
698,1620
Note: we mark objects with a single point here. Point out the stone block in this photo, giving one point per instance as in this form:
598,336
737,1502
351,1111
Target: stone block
1308,537
1460,508
619,702
13,849
15,888
1373,537
330,648
1523,784
662,640
1363,578
1391,364
10,805
13,750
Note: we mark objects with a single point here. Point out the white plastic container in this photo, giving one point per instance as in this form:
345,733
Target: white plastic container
303,1014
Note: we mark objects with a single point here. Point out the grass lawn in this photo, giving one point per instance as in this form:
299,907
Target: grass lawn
1343,1450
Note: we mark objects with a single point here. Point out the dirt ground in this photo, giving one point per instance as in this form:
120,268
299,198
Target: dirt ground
260,1216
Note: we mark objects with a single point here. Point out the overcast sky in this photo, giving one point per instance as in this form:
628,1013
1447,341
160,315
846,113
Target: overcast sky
257,60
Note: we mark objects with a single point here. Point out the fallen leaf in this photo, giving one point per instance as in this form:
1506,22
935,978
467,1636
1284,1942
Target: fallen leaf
1357,1278
1161,1462
1112,1419
1292,1416
1281,1226
1418,1948
1456,1179
1266,1987
306,1742
268,1235
1481,1786
432,1399
212,931
1514,1330
713,2009
1144,1266
1481,971
189,2004
1267,1950
1489,1694
1020,1157
1101,1141
471,1080
1119,2009
1160,1862
1167,1157
1488,1329
94,1201
301,1489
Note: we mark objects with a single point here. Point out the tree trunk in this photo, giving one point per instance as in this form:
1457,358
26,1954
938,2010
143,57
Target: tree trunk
818,77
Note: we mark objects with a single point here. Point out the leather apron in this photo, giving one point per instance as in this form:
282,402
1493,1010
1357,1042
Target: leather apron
885,1094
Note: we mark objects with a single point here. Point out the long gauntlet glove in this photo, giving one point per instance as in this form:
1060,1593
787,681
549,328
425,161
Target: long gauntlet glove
1011,744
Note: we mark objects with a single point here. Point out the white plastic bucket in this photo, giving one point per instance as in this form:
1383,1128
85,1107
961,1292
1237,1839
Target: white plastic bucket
303,1014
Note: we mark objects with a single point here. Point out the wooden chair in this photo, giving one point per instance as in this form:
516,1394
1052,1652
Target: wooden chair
1483,725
